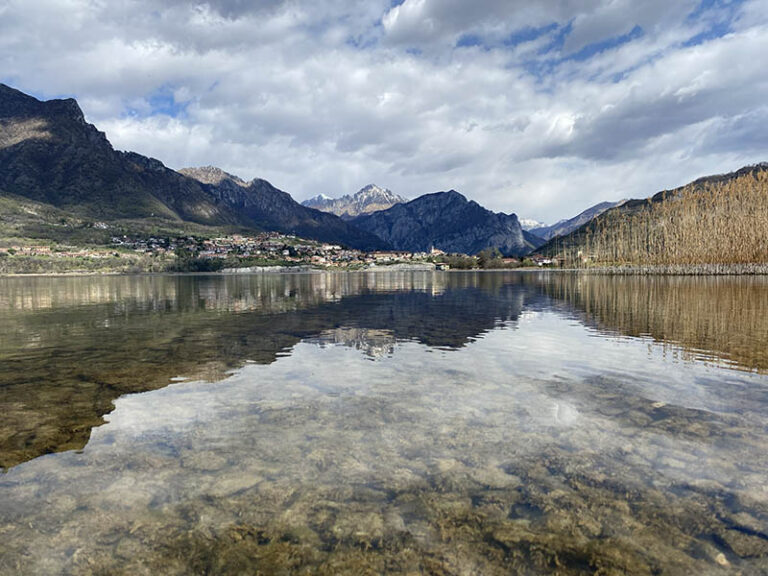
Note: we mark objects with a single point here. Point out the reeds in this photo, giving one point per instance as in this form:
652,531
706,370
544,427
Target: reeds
710,222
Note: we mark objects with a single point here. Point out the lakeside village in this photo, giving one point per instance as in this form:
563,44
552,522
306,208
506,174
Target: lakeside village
274,248
197,254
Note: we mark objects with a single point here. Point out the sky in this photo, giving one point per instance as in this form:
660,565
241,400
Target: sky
539,108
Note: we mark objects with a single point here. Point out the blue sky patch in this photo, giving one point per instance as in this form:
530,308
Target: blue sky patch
469,40
161,103
528,34
592,49
719,16
516,38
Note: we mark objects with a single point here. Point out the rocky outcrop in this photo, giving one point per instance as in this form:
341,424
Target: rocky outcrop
448,221
369,199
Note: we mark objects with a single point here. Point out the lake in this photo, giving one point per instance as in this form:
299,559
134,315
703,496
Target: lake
388,422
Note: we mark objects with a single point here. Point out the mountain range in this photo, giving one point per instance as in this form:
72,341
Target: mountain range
68,173
50,154
567,226
368,199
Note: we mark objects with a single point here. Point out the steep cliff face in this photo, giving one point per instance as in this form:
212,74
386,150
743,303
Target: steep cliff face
368,199
448,221
50,154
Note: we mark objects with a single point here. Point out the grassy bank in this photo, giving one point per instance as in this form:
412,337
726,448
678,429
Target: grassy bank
95,261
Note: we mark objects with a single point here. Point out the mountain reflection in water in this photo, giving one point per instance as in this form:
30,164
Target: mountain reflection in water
508,421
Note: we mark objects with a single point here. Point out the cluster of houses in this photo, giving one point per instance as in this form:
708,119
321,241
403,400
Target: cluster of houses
151,245
271,246
289,248
540,260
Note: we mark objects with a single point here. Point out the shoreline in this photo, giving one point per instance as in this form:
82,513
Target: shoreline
677,270
658,270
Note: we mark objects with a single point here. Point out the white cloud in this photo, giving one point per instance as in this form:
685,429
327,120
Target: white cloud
326,97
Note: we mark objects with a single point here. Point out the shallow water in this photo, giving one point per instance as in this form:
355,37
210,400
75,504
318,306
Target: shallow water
437,423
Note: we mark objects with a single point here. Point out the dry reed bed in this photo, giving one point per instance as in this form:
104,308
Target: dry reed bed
704,227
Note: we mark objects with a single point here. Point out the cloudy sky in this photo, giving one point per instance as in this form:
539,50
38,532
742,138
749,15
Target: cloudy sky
539,108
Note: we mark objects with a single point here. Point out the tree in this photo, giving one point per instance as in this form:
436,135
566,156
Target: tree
184,259
489,258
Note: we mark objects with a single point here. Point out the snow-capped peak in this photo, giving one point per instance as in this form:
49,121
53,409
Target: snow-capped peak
530,224
372,191
319,200
370,198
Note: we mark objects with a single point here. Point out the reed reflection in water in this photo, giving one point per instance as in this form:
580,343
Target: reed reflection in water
716,318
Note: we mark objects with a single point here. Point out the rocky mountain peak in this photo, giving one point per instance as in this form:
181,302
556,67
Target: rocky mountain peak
212,175
374,190
449,221
14,103
25,120
370,198
530,224
68,107
373,193
17,105
443,198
